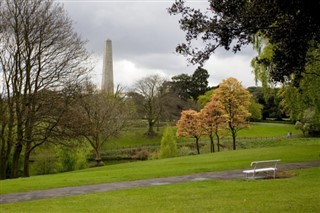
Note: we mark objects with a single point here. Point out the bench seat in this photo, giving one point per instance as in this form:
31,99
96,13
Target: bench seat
259,170
262,166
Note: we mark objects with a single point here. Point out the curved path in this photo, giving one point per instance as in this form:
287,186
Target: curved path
78,190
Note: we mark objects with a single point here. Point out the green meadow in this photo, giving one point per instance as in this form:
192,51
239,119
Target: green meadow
133,137
299,193
260,130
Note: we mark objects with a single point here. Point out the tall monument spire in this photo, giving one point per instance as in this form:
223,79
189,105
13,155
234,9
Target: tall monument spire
107,72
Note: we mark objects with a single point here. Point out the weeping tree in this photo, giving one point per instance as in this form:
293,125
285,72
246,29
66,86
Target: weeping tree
303,104
39,52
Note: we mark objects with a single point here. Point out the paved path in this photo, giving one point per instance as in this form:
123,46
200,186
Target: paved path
78,190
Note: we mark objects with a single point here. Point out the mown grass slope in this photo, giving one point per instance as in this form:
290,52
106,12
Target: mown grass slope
291,150
292,195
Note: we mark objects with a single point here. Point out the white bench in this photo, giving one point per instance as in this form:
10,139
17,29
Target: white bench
262,167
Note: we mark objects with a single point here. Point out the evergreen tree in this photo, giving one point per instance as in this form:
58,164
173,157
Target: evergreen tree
168,144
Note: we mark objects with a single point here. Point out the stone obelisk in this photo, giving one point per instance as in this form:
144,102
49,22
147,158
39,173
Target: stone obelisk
107,70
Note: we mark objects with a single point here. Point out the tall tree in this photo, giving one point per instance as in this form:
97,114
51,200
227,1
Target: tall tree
199,83
180,85
288,25
190,125
191,87
236,101
38,51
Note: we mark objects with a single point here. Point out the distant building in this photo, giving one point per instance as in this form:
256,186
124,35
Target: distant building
107,70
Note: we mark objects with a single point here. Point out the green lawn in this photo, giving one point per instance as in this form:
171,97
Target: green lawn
260,130
293,150
296,194
134,137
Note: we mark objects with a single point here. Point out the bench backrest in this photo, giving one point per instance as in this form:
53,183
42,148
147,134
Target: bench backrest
269,163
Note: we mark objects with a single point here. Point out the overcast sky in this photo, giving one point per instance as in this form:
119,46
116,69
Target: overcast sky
144,37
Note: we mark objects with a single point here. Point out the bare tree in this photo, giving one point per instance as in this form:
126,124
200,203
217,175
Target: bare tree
150,89
98,117
39,51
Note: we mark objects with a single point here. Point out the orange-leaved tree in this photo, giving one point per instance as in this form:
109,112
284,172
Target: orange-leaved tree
214,120
190,125
236,101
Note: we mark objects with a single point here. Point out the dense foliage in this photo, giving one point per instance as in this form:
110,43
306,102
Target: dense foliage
290,26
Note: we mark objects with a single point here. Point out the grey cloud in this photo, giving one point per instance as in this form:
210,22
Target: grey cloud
143,33
135,28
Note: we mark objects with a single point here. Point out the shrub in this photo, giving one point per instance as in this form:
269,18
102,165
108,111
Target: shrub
68,159
185,150
142,154
46,161
168,146
74,158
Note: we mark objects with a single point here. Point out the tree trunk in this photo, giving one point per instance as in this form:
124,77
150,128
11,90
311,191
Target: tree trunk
15,161
218,143
234,139
197,143
3,157
211,143
3,166
6,143
98,159
26,161
28,135
151,131
5,153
